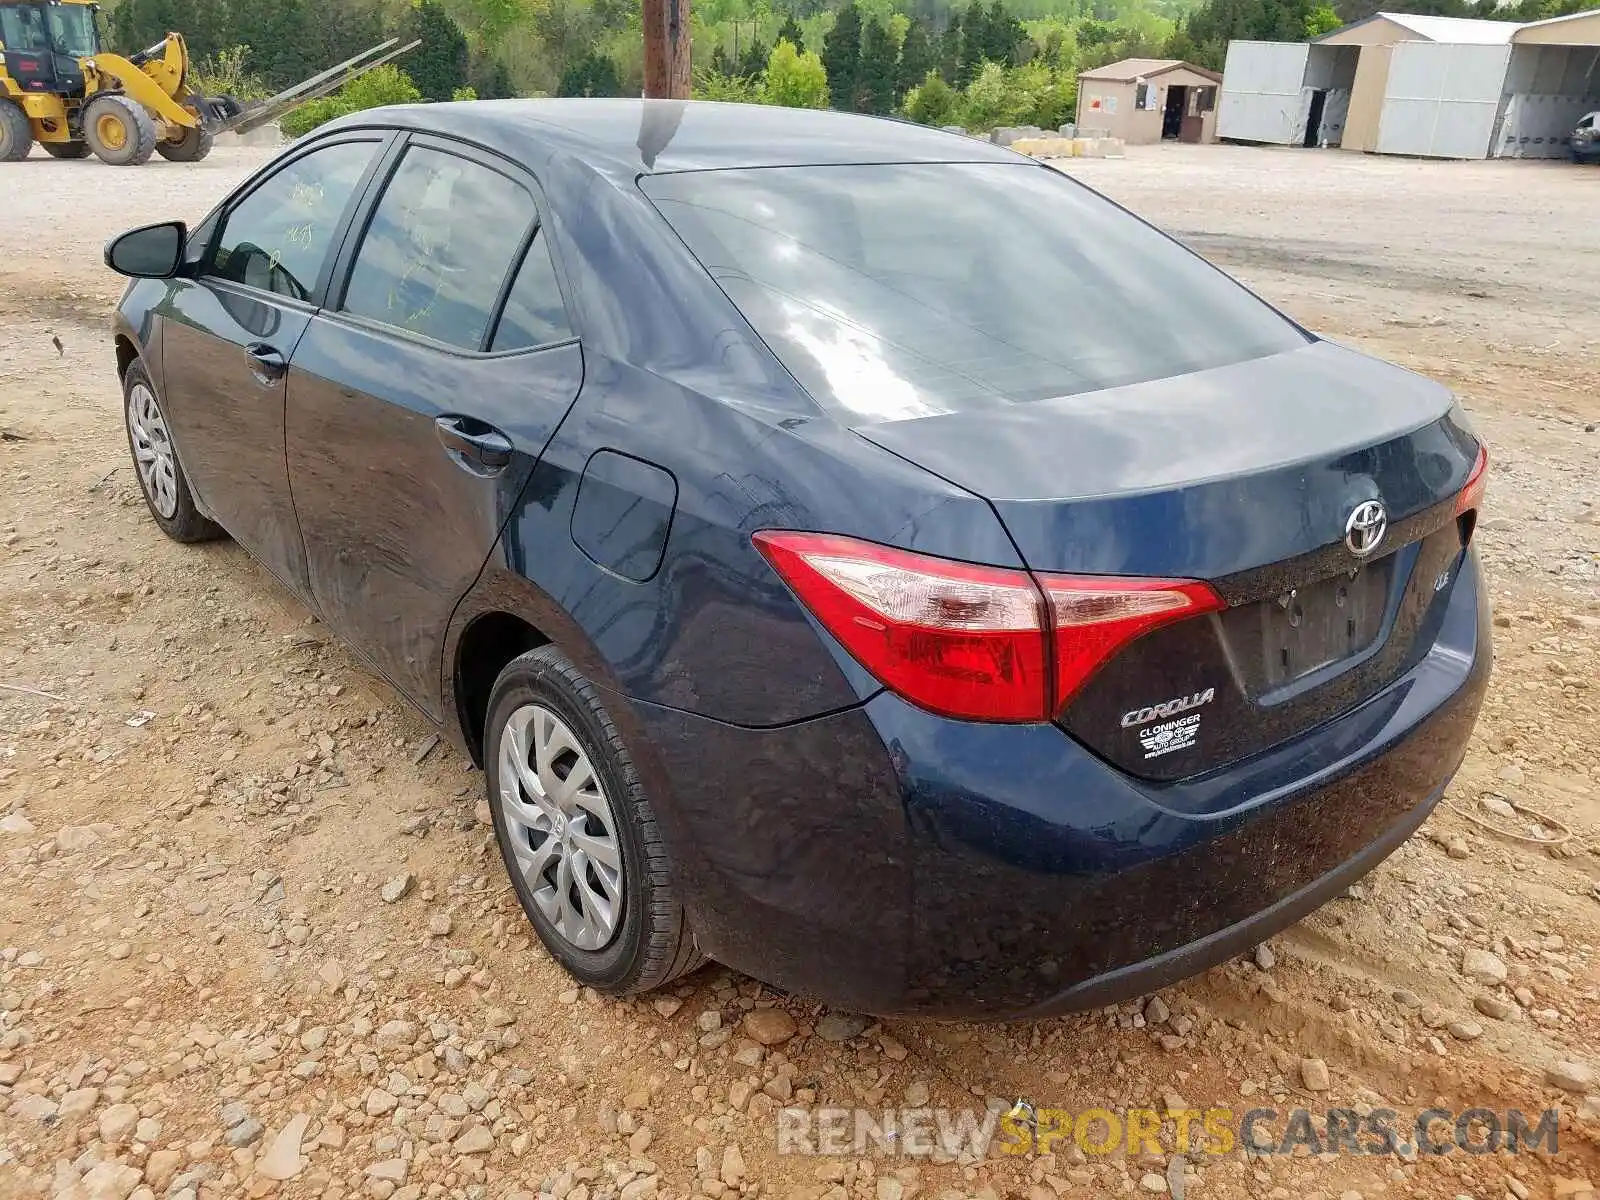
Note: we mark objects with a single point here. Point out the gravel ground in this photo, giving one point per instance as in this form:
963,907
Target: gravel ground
254,938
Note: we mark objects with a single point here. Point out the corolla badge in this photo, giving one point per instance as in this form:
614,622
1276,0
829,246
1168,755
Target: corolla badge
1365,527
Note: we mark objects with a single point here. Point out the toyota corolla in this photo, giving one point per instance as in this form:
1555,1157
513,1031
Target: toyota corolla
856,553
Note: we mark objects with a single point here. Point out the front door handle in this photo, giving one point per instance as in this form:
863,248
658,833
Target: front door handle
483,447
267,364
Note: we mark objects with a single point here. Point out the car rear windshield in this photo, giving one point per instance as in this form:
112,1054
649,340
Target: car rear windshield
907,290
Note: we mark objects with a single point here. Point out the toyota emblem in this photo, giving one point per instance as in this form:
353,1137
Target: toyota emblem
1365,527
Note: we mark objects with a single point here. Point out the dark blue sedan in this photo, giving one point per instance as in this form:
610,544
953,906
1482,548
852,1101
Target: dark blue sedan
856,553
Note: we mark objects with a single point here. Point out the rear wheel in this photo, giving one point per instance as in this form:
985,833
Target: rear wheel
192,147
66,149
119,131
577,832
16,134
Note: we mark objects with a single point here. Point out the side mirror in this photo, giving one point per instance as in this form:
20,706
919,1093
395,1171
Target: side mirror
150,252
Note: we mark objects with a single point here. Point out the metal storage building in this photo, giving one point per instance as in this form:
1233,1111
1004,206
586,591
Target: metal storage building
1439,87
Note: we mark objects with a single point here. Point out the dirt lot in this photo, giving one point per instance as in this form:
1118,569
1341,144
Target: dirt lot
203,991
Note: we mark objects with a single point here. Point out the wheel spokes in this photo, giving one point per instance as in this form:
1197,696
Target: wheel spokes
560,828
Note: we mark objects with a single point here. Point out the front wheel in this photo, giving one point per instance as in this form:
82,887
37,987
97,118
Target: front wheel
578,834
192,147
155,462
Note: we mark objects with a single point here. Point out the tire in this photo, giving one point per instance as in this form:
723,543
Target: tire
196,144
16,132
66,149
649,943
119,131
155,463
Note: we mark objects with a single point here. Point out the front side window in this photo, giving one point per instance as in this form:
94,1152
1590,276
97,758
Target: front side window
277,238
441,242
22,28
906,290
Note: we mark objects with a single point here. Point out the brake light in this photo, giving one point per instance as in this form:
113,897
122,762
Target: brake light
1471,496
978,643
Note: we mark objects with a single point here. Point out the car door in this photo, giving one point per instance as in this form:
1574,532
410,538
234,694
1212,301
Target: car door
420,398
229,327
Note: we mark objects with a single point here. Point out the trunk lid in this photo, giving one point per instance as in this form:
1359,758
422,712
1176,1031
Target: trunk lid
1244,476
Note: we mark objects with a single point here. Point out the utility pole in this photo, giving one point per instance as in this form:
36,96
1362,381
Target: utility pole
666,49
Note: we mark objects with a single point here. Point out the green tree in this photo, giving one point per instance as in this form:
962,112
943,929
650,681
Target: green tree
205,25
789,32
950,49
974,42
387,84
916,58
1322,19
592,75
879,69
721,63
793,79
708,85
439,65
933,102
841,56
1002,34
754,59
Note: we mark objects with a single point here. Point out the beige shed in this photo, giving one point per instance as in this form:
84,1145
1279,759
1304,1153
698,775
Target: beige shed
1144,100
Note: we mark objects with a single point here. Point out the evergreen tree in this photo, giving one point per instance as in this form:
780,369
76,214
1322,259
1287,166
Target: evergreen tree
974,42
754,59
438,66
1002,35
721,64
950,49
592,75
916,58
841,57
277,34
790,32
879,69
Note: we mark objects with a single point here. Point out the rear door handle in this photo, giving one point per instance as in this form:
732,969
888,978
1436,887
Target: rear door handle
266,363
483,447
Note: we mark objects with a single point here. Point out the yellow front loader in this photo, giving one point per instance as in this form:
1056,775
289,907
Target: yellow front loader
60,88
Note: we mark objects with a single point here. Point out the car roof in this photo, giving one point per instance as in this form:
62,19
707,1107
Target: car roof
632,137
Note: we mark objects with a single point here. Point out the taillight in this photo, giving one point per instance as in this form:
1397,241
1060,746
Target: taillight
979,643
1096,616
1471,496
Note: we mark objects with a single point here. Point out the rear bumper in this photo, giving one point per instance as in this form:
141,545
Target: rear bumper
890,861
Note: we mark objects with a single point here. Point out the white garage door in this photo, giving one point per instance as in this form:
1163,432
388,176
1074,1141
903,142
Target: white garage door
1442,99
1262,97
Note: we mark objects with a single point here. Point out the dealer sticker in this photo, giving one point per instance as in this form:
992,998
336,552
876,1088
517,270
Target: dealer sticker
1170,736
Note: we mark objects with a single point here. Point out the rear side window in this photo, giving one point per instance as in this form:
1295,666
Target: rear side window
442,240
277,238
900,291
534,314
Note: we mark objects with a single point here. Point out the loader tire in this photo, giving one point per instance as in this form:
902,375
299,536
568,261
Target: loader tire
16,133
196,144
119,131
66,149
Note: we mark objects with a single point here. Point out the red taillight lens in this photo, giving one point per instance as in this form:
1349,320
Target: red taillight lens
956,639
1095,616
1471,496
979,643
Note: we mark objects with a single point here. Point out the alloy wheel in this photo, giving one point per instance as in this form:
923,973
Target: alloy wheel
152,450
562,830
